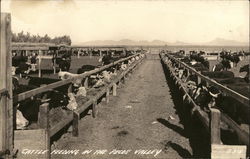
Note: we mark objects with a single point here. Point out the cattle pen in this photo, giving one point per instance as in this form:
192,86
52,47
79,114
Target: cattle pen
14,141
212,121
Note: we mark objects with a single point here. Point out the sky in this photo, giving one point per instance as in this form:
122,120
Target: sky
192,21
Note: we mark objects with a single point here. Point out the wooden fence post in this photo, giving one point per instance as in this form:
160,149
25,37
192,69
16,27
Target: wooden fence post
76,118
43,122
39,64
86,82
114,90
78,54
215,126
43,118
6,102
100,53
107,95
94,109
198,79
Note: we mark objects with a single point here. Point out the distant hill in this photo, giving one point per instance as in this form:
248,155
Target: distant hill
130,42
224,42
215,42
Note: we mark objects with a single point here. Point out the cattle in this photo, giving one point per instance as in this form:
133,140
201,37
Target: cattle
23,69
64,65
21,121
218,67
16,60
245,68
209,97
96,52
28,109
86,68
219,74
106,59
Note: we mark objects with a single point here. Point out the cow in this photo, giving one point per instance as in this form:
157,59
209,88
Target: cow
86,68
211,97
106,59
96,52
218,67
64,65
28,109
219,74
245,68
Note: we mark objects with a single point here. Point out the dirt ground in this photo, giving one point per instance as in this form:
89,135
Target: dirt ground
142,117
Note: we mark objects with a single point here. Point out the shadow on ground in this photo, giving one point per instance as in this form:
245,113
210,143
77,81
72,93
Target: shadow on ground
193,129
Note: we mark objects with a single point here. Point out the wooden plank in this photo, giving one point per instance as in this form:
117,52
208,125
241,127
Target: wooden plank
75,124
43,116
53,130
32,48
215,126
228,151
85,106
114,90
242,134
32,140
6,104
94,109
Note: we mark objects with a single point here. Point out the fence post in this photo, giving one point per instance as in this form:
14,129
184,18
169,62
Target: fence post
6,103
43,118
43,122
86,82
107,95
39,63
215,126
94,109
100,53
78,54
76,118
198,79
114,90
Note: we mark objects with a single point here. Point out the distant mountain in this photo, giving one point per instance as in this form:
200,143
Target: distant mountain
224,42
124,42
215,42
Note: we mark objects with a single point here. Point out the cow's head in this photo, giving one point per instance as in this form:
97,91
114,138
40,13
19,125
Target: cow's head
244,68
206,97
21,121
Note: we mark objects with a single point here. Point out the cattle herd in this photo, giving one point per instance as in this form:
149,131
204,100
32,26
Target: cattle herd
67,97
209,96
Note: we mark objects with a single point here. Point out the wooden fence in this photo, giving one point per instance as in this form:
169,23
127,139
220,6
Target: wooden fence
212,122
6,109
45,132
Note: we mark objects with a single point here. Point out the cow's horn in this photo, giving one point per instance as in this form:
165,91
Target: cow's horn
214,95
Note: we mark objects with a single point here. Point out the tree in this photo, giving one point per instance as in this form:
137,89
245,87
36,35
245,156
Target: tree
21,37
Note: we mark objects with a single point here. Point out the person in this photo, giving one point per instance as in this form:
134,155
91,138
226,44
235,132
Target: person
33,62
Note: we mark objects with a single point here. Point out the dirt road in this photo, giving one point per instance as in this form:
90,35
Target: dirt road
141,118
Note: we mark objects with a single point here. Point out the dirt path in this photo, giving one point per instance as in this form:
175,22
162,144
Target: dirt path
141,117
